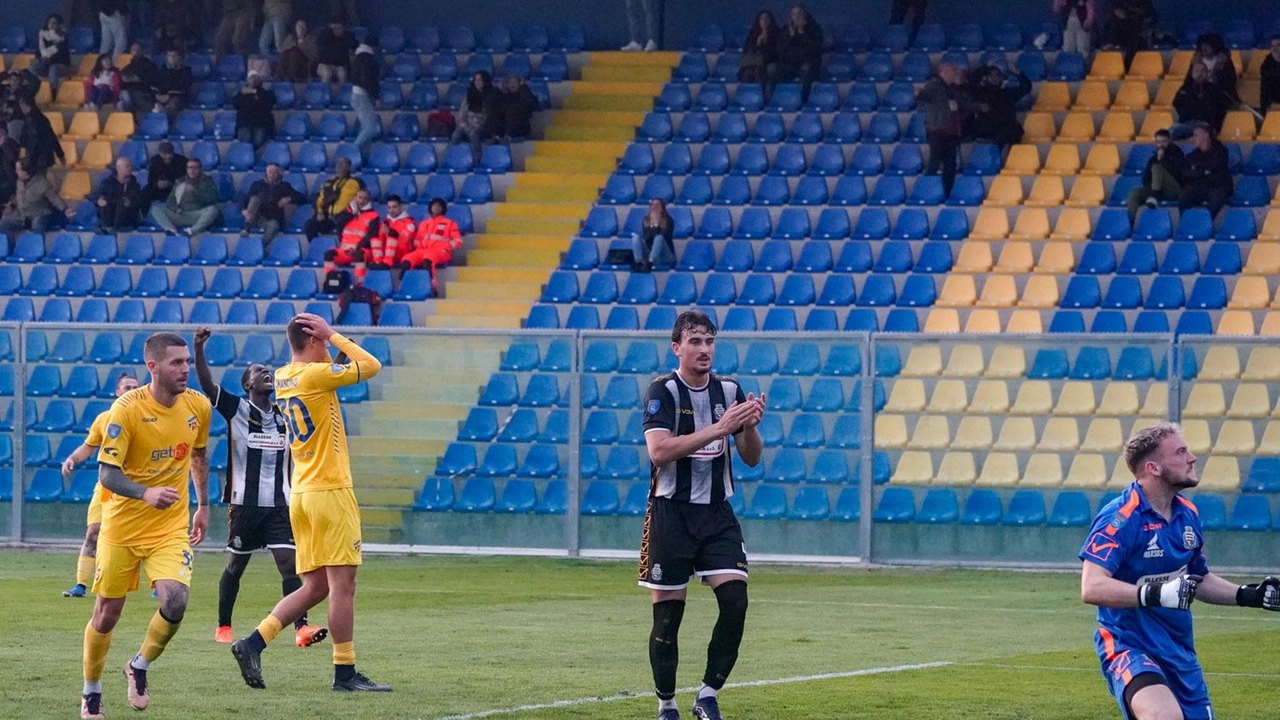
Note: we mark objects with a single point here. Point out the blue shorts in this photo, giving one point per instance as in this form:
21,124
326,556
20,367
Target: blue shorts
1187,684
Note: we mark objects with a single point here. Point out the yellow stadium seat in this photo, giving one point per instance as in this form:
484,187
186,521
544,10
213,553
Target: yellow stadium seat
70,96
1264,259
1235,437
1043,470
1239,126
118,128
1263,364
923,361
1039,127
907,396
22,61
1022,160
1196,432
1076,399
949,397
1062,160
973,433
1086,192
1119,399
69,151
1032,224
1060,435
890,432
1236,322
1117,127
1221,474
1221,362
86,65
84,126
1104,436
1156,404
1270,230
1034,398
991,224
1270,130
2,66
1120,476
1133,96
991,397
999,470
1005,191
56,122
1046,191
942,320
1093,96
1024,322
1053,97
1270,443
932,432
957,291
1146,65
1056,258
1007,361
974,257
1087,472
1254,69
1250,92
1103,159
965,361
1041,291
1250,400
1015,258
1206,400
1180,66
957,468
1155,120
1250,293
1107,65
999,291
44,96
1077,127
1165,93
97,155
75,186
1271,325
1016,433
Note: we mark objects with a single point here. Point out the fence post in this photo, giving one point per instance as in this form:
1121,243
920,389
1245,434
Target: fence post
1173,361
573,514
19,433
866,486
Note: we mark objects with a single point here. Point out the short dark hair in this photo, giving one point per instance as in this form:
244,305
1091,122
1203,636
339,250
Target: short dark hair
244,376
444,206
1145,442
1162,133
160,342
297,334
126,375
691,320
395,198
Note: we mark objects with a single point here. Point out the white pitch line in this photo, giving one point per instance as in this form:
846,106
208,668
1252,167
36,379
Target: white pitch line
631,695
1051,668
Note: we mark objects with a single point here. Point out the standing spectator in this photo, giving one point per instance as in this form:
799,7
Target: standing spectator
119,199
1161,178
9,152
518,106
354,241
943,101
364,89
141,16
35,204
298,55
233,29
255,123
334,46
102,87
38,139
654,244
994,113
392,240
642,21
1271,76
437,240
898,14
54,59
474,113
275,24
1212,53
138,78
193,203
800,55
1132,24
1198,101
1076,18
760,50
345,10
333,200
175,25
270,203
173,83
112,15
1206,177
164,169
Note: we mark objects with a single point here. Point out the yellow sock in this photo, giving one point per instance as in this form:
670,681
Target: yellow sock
159,633
96,646
344,653
84,570
269,628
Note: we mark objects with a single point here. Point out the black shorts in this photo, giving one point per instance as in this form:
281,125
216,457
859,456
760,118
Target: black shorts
681,539
254,528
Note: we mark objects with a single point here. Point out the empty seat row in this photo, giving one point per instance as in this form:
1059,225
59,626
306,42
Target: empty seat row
1033,397
168,311
982,431
1077,224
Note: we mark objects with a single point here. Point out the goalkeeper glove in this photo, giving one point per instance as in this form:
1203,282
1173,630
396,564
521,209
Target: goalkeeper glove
1265,595
1175,594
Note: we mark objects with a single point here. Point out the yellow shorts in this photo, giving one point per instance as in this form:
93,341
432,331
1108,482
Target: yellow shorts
326,528
95,509
117,570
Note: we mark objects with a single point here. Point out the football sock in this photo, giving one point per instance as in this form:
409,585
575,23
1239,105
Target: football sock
140,663
96,646
344,653
84,570
342,673
287,586
722,651
93,687
228,589
159,633
267,630
667,704
664,651
707,691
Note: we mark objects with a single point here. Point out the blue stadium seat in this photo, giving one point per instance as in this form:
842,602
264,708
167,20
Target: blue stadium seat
1049,364
983,507
1092,363
1213,511
499,461
1068,67
897,505
1165,293
1251,191
1026,508
1139,259
1070,509
939,507
477,495
1250,513
1097,258
46,485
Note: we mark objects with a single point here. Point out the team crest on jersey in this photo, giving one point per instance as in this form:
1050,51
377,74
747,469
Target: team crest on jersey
717,411
114,430
1188,538
193,423
656,573
235,542
653,407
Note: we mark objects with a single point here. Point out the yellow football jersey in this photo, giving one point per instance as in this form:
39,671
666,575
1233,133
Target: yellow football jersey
97,433
152,444
307,394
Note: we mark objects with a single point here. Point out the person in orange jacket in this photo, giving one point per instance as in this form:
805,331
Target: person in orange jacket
437,239
394,238
355,241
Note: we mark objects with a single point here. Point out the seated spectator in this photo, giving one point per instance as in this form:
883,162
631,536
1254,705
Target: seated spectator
473,116
993,110
655,244
1212,53
334,47
173,84
1198,101
518,107
356,239
298,55
35,205
437,240
9,152
1076,19
38,139
799,53
102,87
270,203
1271,76
255,123
1206,176
138,78
333,201
1161,179
393,238
193,205
119,199
175,25
1132,25
232,34
165,168
760,51
53,61
944,100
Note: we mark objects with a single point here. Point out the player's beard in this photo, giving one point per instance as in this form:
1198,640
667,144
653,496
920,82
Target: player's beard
1183,481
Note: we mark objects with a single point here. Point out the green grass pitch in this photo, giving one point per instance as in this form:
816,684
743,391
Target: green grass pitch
464,637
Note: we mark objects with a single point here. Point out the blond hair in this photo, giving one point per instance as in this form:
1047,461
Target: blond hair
1144,442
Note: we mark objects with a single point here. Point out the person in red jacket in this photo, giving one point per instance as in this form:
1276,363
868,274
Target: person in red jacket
355,240
394,237
438,238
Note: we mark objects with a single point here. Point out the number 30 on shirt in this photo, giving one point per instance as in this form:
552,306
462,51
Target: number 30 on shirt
298,419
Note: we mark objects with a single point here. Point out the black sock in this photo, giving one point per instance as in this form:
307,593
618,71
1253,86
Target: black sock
343,673
256,641
228,589
722,651
664,650
287,586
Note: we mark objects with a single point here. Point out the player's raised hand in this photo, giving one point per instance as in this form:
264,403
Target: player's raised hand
202,335
756,404
731,421
315,326
1175,594
199,525
1265,595
160,497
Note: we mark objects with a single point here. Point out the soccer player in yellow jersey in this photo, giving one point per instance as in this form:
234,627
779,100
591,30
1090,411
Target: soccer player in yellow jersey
322,506
89,550
156,438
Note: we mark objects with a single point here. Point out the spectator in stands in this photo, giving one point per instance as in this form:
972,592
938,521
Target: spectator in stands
193,205
53,61
255,123
102,87
298,55
114,21
642,22
760,50
943,101
474,113
1206,176
176,22
1198,101
518,107
270,203
1271,76
356,237
173,83
393,238
38,139
898,14
232,34
138,83
437,240
1076,19
345,10
333,201
1212,53
655,243
9,152
163,170
275,24
994,114
1132,24
119,199
364,91
799,55
35,204
1162,178
334,47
